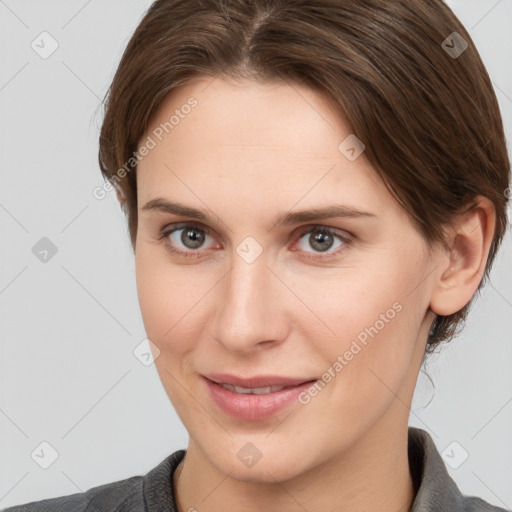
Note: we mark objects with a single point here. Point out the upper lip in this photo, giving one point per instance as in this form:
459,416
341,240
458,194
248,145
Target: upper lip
257,381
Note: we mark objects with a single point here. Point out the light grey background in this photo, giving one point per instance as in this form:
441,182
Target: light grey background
68,375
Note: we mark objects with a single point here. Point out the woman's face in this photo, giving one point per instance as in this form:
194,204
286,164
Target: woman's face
250,294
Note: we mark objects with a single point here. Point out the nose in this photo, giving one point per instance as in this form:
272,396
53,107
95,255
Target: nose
250,306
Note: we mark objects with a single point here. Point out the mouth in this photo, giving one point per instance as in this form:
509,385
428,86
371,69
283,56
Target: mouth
255,398
253,391
258,381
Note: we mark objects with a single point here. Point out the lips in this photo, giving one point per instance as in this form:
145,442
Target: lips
255,398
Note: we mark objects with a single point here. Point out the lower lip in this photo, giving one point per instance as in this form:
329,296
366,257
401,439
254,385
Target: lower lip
246,406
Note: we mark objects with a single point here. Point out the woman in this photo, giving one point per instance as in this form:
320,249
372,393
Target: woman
243,136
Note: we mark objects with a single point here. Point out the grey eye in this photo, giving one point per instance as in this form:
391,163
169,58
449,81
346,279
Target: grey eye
320,240
191,237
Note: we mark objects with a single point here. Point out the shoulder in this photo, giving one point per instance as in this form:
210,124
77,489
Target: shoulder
475,504
435,488
120,496
152,491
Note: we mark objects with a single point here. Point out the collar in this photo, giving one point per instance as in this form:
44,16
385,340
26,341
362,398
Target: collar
435,489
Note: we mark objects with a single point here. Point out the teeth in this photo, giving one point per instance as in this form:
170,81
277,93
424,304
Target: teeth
254,391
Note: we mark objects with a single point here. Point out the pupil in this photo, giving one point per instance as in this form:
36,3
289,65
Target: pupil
192,237
319,238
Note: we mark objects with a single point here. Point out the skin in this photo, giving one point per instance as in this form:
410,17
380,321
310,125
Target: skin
283,313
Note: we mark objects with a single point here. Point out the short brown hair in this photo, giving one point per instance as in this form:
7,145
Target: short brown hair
429,118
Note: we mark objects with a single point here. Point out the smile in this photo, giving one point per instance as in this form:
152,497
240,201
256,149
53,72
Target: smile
254,391
255,403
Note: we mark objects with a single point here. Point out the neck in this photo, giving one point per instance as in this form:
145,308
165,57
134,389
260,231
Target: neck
373,475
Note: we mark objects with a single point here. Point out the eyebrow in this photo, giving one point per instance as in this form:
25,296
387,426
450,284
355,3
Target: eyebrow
160,204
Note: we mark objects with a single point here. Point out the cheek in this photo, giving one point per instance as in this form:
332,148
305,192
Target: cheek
156,291
164,303
373,318
366,364
347,304
170,298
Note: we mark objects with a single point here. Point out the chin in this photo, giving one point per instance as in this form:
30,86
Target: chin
271,461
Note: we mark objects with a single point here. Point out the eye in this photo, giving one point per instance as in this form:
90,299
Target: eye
188,235
187,239
322,238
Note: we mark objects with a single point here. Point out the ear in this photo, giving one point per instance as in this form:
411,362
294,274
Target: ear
461,268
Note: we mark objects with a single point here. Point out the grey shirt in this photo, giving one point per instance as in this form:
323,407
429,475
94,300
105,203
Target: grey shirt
436,491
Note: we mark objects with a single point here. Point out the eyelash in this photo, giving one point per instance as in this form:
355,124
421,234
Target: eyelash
168,230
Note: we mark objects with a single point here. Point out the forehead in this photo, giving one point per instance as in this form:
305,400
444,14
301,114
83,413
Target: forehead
276,115
247,139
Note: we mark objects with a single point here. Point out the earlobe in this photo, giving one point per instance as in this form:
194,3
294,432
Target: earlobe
462,268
